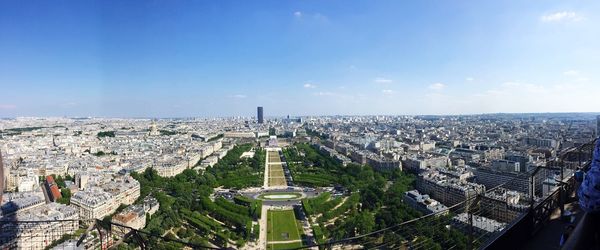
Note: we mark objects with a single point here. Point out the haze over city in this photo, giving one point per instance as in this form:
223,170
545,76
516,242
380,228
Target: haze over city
223,58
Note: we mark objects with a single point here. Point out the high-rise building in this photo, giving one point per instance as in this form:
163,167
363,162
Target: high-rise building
259,115
597,126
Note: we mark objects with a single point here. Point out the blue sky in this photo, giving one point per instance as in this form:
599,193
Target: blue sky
224,58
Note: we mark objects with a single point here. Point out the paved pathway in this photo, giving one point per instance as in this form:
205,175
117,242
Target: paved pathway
284,241
262,239
266,174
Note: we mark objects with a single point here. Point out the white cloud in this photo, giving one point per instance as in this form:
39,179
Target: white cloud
239,96
382,80
312,17
335,95
576,75
470,79
571,73
387,91
512,84
520,86
309,85
437,86
324,93
583,79
561,16
8,106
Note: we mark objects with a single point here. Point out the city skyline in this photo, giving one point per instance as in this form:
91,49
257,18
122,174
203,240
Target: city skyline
257,185
199,59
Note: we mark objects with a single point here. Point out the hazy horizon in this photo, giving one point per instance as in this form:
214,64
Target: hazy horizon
293,116
224,58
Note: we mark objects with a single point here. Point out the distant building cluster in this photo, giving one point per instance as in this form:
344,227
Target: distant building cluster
446,189
347,152
102,198
90,160
134,216
424,203
459,160
31,206
481,225
481,160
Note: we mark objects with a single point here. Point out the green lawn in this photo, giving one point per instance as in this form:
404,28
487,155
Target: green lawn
276,176
273,156
282,226
284,246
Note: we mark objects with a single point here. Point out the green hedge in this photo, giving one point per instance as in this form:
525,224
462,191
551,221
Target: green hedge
318,234
224,215
198,224
203,218
242,200
243,210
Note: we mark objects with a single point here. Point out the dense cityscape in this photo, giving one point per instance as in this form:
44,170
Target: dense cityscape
277,182
299,124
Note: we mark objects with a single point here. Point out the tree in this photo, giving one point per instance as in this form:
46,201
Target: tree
151,175
60,182
100,153
364,222
66,196
426,243
211,180
371,197
106,134
198,241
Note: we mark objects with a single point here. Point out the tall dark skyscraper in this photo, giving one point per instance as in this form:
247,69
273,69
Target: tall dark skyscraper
597,126
259,115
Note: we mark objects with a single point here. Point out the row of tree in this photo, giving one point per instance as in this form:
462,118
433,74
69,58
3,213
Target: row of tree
184,203
235,172
376,203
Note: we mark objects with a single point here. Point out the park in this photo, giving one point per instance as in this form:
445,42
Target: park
284,228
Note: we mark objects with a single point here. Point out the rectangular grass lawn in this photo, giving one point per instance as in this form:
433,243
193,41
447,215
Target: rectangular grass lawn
274,157
284,246
282,226
276,169
276,176
277,181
